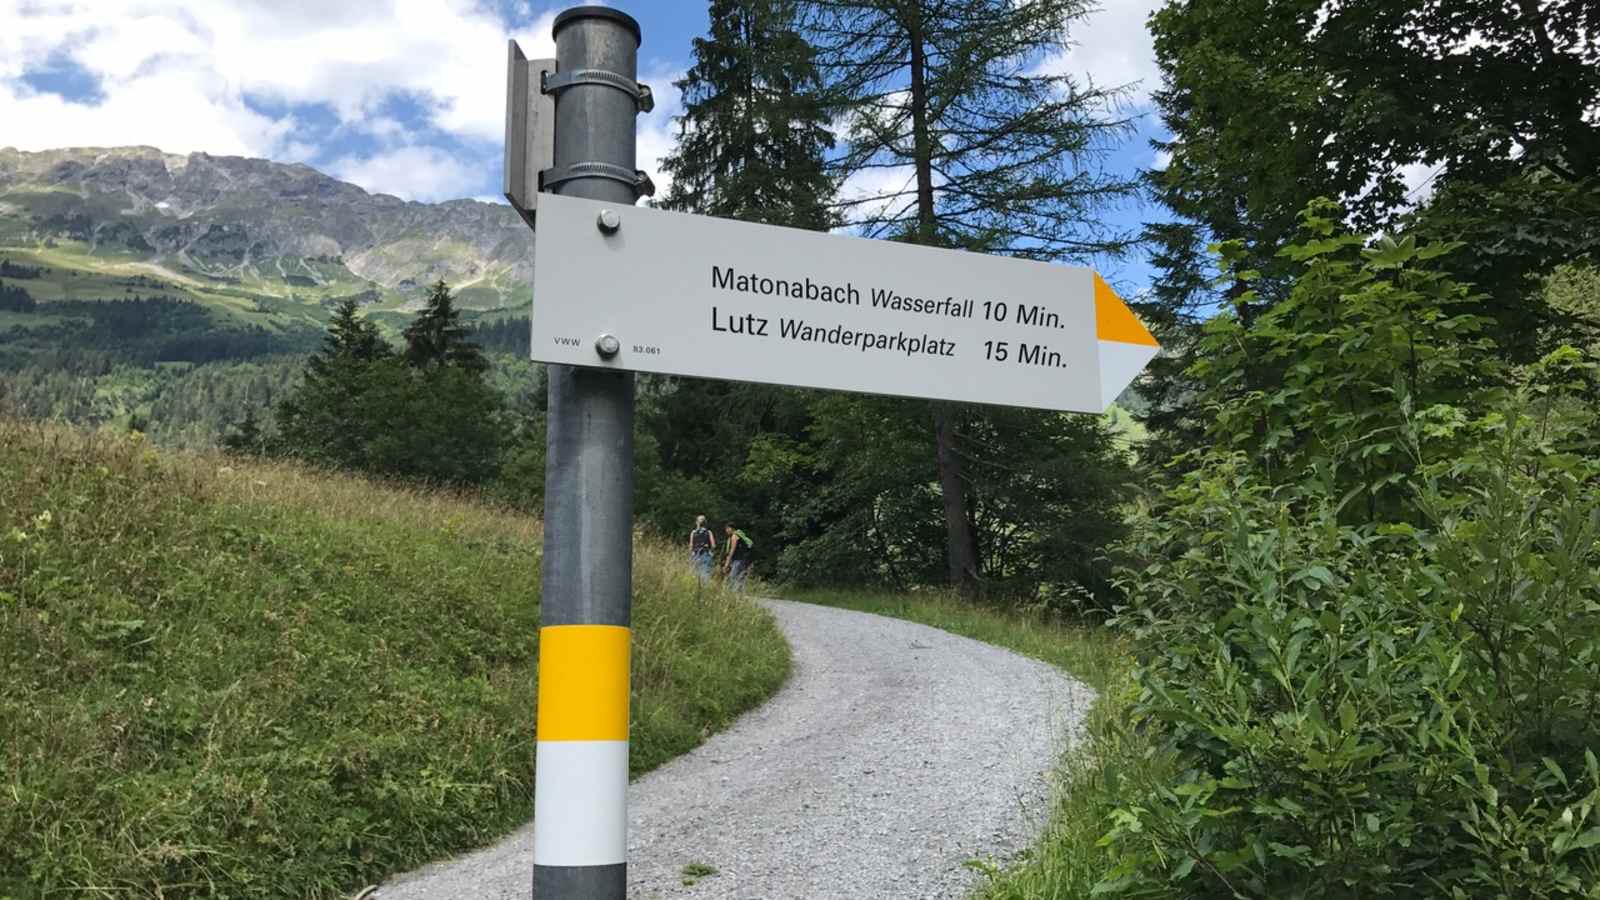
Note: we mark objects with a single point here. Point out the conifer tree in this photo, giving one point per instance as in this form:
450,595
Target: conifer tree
754,133
437,338
426,414
324,419
453,415
999,153
246,436
752,146
352,336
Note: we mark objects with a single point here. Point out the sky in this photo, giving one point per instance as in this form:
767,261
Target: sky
403,97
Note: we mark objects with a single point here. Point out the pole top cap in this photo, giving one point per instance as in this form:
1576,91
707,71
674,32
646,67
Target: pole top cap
598,12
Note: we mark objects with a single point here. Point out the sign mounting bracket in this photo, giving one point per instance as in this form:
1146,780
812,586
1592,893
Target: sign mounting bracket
530,130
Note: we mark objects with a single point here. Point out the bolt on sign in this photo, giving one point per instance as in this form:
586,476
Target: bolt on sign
653,291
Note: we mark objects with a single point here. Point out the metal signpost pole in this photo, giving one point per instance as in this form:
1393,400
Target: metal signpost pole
580,807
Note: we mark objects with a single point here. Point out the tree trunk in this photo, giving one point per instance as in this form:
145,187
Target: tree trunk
961,548
922,141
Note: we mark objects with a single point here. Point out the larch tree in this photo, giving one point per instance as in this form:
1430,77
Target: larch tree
954,110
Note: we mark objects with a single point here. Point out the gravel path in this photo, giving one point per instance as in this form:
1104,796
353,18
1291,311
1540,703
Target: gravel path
895,753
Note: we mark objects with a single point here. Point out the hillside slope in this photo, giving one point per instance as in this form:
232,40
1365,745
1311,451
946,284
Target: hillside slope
229,679
234,230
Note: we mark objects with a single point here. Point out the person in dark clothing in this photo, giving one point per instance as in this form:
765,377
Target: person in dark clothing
702,543
738,564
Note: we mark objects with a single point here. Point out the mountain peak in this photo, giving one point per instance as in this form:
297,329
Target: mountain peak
245,218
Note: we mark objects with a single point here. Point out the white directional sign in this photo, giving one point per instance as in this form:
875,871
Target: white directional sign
715,298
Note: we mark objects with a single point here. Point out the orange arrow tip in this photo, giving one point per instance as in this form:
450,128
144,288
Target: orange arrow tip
1114,321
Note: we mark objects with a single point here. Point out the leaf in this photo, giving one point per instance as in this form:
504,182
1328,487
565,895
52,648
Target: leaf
1551,767
1318,574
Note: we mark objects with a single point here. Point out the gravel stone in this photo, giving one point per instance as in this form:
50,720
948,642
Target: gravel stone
895,753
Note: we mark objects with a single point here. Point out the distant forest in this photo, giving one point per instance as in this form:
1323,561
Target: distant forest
142,331
15,299
510,336
9,269
167,366
173,368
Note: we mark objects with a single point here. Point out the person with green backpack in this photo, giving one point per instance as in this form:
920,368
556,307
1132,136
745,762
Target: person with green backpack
738,564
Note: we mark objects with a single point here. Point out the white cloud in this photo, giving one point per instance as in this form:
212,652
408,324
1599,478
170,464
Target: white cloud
176,75
872,193
162,108
1419,180
411,173
1111,48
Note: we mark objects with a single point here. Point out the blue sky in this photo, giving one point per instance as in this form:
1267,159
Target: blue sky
404,97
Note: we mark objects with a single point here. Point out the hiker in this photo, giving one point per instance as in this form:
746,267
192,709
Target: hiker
701,545
739,547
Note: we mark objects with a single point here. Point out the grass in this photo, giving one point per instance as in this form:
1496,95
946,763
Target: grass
1092,779
248,680
72,272
693,872
1090,654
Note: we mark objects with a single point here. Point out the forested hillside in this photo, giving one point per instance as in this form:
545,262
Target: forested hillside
168,293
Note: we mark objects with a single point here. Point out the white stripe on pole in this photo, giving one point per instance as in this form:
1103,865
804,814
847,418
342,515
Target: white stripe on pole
587,775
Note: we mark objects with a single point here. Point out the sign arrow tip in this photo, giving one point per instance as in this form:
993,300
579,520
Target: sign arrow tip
1126,346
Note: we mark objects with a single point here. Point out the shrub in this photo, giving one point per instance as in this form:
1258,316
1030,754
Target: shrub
1367,623
1373,710
1320,376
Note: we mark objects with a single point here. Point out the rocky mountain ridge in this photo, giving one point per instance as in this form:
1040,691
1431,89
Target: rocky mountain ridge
254,221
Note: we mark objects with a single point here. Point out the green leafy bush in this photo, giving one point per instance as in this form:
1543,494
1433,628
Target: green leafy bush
1368,621
1385,710
1319,379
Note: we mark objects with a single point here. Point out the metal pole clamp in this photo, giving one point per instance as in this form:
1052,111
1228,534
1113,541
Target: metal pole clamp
555,82
636,179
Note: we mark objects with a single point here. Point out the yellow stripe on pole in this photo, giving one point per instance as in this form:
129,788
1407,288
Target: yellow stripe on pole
583,683
1114,321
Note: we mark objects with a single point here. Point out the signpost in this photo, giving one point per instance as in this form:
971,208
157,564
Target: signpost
620,289
581,780
717,298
